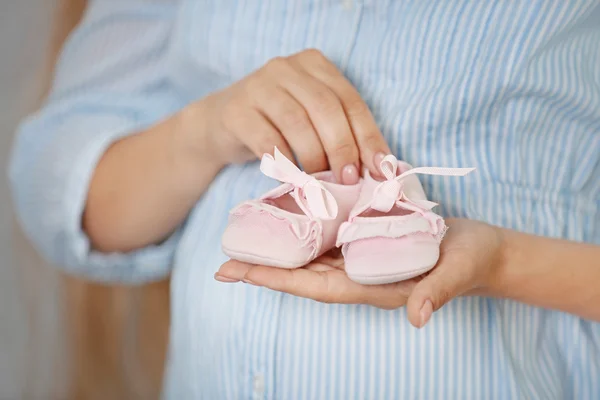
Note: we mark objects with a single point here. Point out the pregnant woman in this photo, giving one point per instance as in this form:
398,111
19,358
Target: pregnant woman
160,108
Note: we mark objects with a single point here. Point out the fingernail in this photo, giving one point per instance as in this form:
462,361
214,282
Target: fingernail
350,175
426,312
378,159
224,279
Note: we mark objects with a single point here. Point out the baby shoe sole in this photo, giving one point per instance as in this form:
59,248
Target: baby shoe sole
390,278
259,260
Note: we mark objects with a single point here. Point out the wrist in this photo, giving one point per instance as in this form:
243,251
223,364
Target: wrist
192,153
194,142
508,254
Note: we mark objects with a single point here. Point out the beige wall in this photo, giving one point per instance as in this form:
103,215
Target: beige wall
33,361
60,337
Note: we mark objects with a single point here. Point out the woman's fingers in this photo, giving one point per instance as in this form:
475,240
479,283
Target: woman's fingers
232,271
318,281
303,105
260,135
326,286
370,142
292,121
326,115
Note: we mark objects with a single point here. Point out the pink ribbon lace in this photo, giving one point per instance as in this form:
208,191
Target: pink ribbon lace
391,192
307,190
404,191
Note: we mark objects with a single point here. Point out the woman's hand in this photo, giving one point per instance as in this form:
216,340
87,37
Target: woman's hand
303,105
470,256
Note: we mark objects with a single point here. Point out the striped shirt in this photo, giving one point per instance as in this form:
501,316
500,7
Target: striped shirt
511,87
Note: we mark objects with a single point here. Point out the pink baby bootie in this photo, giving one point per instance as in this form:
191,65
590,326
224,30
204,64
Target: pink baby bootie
292,224
392,234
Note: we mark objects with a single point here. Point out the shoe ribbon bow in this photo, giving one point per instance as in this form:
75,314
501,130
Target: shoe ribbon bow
308,191
392,191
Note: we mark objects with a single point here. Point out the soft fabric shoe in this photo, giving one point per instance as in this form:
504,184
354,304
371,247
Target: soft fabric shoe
292,224
392,234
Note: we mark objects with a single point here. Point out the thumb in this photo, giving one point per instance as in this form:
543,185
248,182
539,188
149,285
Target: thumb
446,281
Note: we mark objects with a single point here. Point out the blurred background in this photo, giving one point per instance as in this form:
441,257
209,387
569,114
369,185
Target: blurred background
60,337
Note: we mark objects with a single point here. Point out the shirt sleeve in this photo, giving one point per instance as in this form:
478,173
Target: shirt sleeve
111,81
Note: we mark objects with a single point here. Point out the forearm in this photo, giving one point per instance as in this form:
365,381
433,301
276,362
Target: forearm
550,273
145,185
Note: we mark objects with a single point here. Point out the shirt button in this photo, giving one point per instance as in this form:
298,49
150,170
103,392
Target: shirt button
258,385
348,4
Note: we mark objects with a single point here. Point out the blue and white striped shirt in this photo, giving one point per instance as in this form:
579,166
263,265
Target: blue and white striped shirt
511,87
